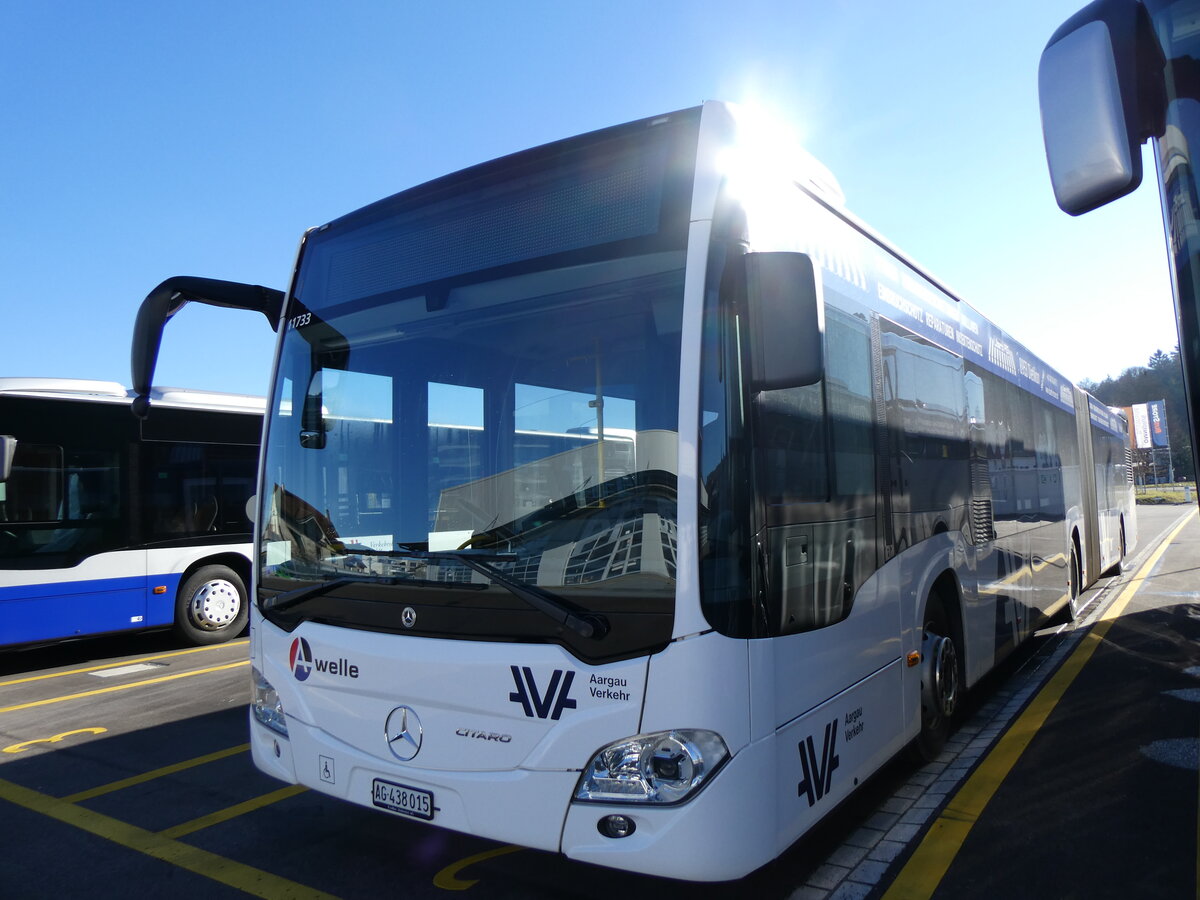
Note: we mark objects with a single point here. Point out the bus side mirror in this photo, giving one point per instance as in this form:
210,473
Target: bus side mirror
1100,83
8,449
785,320
312,416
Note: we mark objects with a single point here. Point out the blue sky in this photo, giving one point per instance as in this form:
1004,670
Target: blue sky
142,140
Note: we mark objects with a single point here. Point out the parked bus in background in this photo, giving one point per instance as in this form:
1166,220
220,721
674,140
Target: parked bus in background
1116,74
628,498
110,523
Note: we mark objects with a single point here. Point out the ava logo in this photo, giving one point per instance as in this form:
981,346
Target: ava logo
557,697
300,659
818,773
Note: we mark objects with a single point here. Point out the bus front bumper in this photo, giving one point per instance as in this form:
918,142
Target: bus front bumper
725,831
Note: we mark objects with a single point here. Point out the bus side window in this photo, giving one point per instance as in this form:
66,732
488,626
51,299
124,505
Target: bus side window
792,434
34,491
848,393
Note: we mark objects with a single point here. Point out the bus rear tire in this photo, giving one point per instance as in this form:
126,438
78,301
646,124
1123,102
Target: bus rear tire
211,606
1120,566
1074,580
1117,567
941,684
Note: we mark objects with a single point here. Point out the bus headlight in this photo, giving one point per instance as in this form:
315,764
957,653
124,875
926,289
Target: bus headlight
664,767
265,703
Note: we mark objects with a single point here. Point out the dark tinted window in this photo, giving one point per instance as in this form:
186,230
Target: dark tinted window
196,489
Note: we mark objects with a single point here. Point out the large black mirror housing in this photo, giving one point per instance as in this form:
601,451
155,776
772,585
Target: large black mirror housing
8,449
786,320
312,417
1100,84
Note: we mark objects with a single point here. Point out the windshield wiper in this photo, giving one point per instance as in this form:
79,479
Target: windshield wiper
300,595
585,624
297,596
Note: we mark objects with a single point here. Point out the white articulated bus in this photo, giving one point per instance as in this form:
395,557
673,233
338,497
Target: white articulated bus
627,498
108,523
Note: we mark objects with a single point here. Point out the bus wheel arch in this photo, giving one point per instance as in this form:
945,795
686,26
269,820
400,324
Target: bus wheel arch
212,604
942,681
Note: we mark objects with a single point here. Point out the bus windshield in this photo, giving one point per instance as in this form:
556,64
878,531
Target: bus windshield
529,418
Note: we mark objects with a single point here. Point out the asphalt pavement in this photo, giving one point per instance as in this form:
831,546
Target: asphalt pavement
1093,790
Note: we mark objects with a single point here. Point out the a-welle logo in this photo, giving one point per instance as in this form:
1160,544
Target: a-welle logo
300,659
302,662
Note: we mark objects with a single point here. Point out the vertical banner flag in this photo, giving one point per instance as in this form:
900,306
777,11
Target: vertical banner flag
1158,423
1141,426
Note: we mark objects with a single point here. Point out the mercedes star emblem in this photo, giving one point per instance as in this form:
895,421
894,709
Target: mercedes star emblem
403,733
408,617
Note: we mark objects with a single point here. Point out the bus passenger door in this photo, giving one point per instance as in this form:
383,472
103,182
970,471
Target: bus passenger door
982,515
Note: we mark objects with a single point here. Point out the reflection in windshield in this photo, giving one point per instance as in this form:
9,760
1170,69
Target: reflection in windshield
533,417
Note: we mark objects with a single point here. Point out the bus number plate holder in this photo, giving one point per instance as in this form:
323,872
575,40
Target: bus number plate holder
402,799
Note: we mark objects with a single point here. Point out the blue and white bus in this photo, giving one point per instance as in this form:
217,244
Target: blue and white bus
110,523
629,498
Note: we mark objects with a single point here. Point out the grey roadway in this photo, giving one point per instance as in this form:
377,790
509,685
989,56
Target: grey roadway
1104,799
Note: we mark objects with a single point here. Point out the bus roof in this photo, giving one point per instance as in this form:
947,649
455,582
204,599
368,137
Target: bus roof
112,392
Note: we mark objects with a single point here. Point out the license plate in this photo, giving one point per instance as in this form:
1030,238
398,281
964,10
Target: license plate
400,798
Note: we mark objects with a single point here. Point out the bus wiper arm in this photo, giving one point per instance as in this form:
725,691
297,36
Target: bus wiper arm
585,624
301,595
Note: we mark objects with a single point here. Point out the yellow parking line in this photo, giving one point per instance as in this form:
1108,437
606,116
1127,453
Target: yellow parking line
122,687
226,871
232,812
156,773
53,739
124,662
929,863
447,879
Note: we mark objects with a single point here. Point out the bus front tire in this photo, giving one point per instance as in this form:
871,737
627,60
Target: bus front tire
211,606
941,685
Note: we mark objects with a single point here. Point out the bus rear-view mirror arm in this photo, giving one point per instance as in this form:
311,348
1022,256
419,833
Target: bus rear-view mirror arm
1100,84
785,316
170,297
